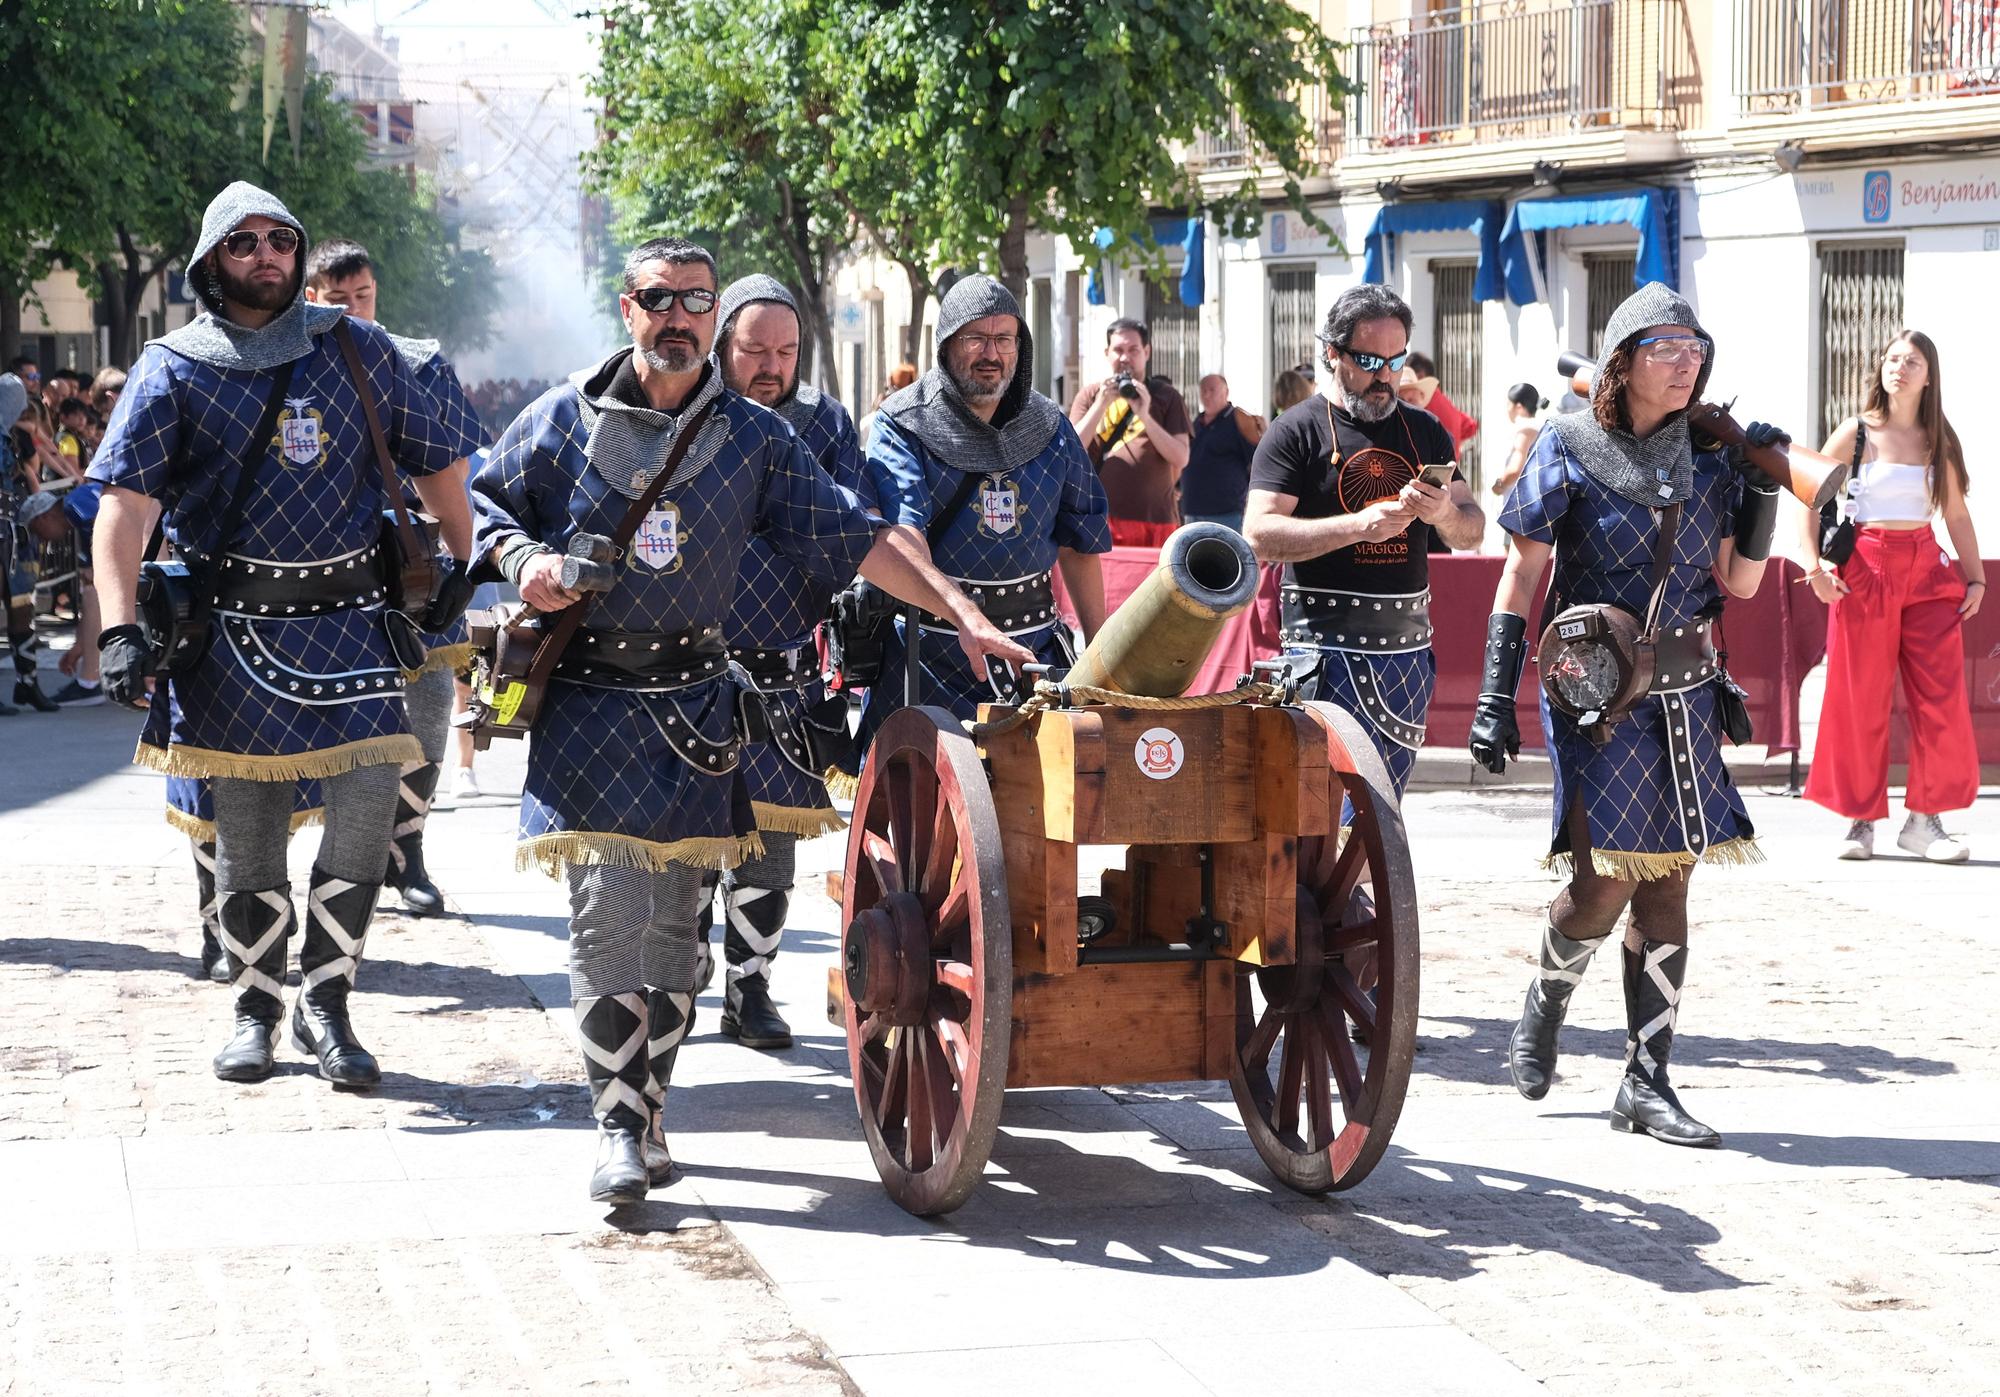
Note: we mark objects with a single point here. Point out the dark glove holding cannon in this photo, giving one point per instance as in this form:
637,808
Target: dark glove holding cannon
124,661
1496,733
454,594
1757,516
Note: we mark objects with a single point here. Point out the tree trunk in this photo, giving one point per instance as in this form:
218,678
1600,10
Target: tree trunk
10,322
920,293
117,310
1014,249
809,262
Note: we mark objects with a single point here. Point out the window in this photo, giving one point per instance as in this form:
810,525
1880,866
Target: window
1457,327
1176,332
1860,308
1607,282
1294,318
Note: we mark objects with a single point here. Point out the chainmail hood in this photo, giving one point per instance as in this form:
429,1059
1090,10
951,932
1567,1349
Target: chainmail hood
627,444
798,406
933,410
211,338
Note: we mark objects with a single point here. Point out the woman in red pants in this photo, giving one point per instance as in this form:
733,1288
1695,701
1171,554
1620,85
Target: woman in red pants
1899,607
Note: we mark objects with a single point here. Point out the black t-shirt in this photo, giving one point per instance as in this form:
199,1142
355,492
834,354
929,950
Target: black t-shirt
1335,465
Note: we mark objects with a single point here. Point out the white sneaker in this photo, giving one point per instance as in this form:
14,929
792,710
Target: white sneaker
1924,836
464,785
1860,841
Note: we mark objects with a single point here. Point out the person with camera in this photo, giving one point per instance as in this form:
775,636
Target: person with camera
1135,428
635,783
1346,489
770,635
1899,607
995,476
1644,521
250,435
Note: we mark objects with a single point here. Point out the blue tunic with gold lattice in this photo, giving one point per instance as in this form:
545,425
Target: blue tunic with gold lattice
607,782
1008,534
277,696
778,606
1657,795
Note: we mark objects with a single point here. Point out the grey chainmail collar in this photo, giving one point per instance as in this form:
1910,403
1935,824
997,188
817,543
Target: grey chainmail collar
211,338
800,406
627,445
1658,471
416,353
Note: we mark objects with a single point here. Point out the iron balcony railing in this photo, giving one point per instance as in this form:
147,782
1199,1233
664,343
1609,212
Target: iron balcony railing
1232,149
1792,55
1523,69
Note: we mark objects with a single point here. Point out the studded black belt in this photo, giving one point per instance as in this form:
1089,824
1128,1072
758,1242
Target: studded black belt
653,661
1014,605
1357,621
772,667
1683,657
256,587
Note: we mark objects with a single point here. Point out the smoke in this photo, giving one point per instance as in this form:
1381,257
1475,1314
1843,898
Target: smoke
551,321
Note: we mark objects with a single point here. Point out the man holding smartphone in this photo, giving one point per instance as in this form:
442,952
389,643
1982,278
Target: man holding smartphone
1346,489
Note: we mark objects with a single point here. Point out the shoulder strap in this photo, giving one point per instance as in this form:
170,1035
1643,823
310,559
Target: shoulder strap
406,531
1663,563
260,445
557,637
942,519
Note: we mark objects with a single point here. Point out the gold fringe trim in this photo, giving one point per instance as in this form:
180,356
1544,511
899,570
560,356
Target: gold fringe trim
327,761
840,785
804,821
551,853
203,831
1644,868
456,658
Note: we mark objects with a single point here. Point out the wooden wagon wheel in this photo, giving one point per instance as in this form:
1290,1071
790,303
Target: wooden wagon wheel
929,961
1296,1063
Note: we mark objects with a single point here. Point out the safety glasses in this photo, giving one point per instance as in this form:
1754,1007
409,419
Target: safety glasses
242,244
1674,349
657,300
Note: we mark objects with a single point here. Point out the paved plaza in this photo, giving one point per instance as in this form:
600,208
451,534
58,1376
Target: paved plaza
163,1232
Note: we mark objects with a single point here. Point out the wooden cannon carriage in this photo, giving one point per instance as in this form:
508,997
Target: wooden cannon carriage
1249,937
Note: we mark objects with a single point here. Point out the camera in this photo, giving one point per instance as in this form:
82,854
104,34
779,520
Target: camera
1125,389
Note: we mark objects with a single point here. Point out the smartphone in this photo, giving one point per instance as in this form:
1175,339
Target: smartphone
1438,476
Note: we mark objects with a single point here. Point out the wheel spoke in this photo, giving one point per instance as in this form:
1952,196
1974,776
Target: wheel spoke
1353,1000
889,1106
1256,1053
941,866
874,1027
882,858
1346,874
1319,1094
1291,1066
954,908
1360,934
1346,1065
922,1140
957,1048
955,975
912,797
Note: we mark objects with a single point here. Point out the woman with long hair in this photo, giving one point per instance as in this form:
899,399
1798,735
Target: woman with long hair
1289,390
1900,605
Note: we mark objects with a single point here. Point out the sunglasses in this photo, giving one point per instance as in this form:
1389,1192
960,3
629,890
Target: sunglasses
242,244
1373,363
657,300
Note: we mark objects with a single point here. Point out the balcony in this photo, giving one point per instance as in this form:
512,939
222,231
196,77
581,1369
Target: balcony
1603,81
1799,55
1230,151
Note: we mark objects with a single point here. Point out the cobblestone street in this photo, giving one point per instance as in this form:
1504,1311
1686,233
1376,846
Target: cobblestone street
165,1233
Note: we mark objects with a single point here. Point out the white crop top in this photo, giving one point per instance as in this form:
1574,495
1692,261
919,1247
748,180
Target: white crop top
1889,490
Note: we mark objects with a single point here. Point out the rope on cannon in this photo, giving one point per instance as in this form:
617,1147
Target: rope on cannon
1049,695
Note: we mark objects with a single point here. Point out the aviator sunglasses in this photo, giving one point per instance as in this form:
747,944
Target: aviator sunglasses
1370,363
242,244
656,300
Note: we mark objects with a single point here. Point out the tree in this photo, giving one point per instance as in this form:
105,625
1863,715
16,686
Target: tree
971,121
716,126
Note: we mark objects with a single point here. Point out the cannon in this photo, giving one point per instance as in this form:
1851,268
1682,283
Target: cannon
1262,930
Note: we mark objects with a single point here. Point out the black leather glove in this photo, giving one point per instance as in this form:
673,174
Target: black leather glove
1496,735
1757,434
454,594
124,659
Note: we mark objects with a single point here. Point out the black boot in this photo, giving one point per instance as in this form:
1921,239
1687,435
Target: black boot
669,1019
755,921
612,1031
1531,1048
253,928
704,928
27,687
1646,1104
337,914
406,871
213,967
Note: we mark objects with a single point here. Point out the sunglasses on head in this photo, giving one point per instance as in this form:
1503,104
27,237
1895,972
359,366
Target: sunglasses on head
242,244
1373,363
656,300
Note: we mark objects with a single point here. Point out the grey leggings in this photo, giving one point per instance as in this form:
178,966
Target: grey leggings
774,871
631,929
429,703
253,824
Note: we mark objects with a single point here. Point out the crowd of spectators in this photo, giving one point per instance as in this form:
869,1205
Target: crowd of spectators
500,400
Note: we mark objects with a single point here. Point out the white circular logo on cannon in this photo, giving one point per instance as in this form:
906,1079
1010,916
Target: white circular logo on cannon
1159,752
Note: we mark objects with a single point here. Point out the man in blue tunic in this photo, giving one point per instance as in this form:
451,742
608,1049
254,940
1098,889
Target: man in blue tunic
1638,803
770,635
298,678
340,273
1338,495
634,781
973,433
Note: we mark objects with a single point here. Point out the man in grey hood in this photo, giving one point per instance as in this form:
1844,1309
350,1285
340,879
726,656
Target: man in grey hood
247,434
1640,801
996,476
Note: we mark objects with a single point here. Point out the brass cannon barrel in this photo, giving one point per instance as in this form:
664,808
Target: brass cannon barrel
1152,645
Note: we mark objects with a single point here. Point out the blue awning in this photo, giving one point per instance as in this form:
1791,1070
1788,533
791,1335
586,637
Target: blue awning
1186,233
1656,213
1482,216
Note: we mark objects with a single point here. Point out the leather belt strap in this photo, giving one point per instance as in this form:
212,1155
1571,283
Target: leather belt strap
773,667
650,660
1683,657
1356,621
254,587
1014,605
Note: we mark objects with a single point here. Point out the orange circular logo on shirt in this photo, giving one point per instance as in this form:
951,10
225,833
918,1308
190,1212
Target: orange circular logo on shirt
1370,474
